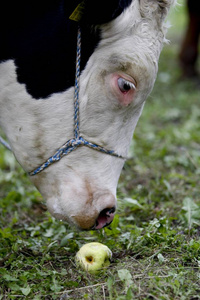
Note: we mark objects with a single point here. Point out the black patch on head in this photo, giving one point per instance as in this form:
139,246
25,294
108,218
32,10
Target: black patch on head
103,11
41,39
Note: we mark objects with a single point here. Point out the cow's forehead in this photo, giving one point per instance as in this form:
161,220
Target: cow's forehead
43,40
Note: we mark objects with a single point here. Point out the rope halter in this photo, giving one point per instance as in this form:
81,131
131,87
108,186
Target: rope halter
77,141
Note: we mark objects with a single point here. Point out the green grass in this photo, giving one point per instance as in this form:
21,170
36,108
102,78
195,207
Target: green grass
155,235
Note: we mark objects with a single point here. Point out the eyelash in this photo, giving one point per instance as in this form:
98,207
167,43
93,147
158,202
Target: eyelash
122,81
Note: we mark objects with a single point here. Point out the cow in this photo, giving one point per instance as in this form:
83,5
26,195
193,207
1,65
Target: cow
121,41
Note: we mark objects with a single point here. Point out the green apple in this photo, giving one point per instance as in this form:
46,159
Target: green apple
93,257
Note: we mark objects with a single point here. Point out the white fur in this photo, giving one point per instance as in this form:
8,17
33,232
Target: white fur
82,184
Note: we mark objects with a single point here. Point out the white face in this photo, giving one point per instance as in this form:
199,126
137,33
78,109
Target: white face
81,187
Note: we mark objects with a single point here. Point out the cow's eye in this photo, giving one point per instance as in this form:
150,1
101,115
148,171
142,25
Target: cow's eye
125,85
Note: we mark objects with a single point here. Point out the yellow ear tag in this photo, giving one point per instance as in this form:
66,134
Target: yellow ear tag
78,12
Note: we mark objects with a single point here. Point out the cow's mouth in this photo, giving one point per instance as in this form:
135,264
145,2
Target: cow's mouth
105,218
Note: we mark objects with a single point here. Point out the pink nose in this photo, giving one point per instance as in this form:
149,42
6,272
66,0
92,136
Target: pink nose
105,217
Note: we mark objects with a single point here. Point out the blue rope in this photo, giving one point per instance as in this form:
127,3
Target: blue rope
77,141
5,144
77,80
67,148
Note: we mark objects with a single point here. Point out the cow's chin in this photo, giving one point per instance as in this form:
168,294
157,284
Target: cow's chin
88,215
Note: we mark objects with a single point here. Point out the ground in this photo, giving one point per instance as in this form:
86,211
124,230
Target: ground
155,235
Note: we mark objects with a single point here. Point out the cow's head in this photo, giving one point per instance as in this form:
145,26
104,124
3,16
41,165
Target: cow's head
119,75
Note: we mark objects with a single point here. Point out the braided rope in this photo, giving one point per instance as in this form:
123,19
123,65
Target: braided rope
67,148
5,144
77,141
77,80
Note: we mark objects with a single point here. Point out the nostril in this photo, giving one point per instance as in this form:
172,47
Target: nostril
111,210
107,212
105,218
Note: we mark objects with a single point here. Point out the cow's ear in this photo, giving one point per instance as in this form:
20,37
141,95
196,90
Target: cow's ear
155,9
